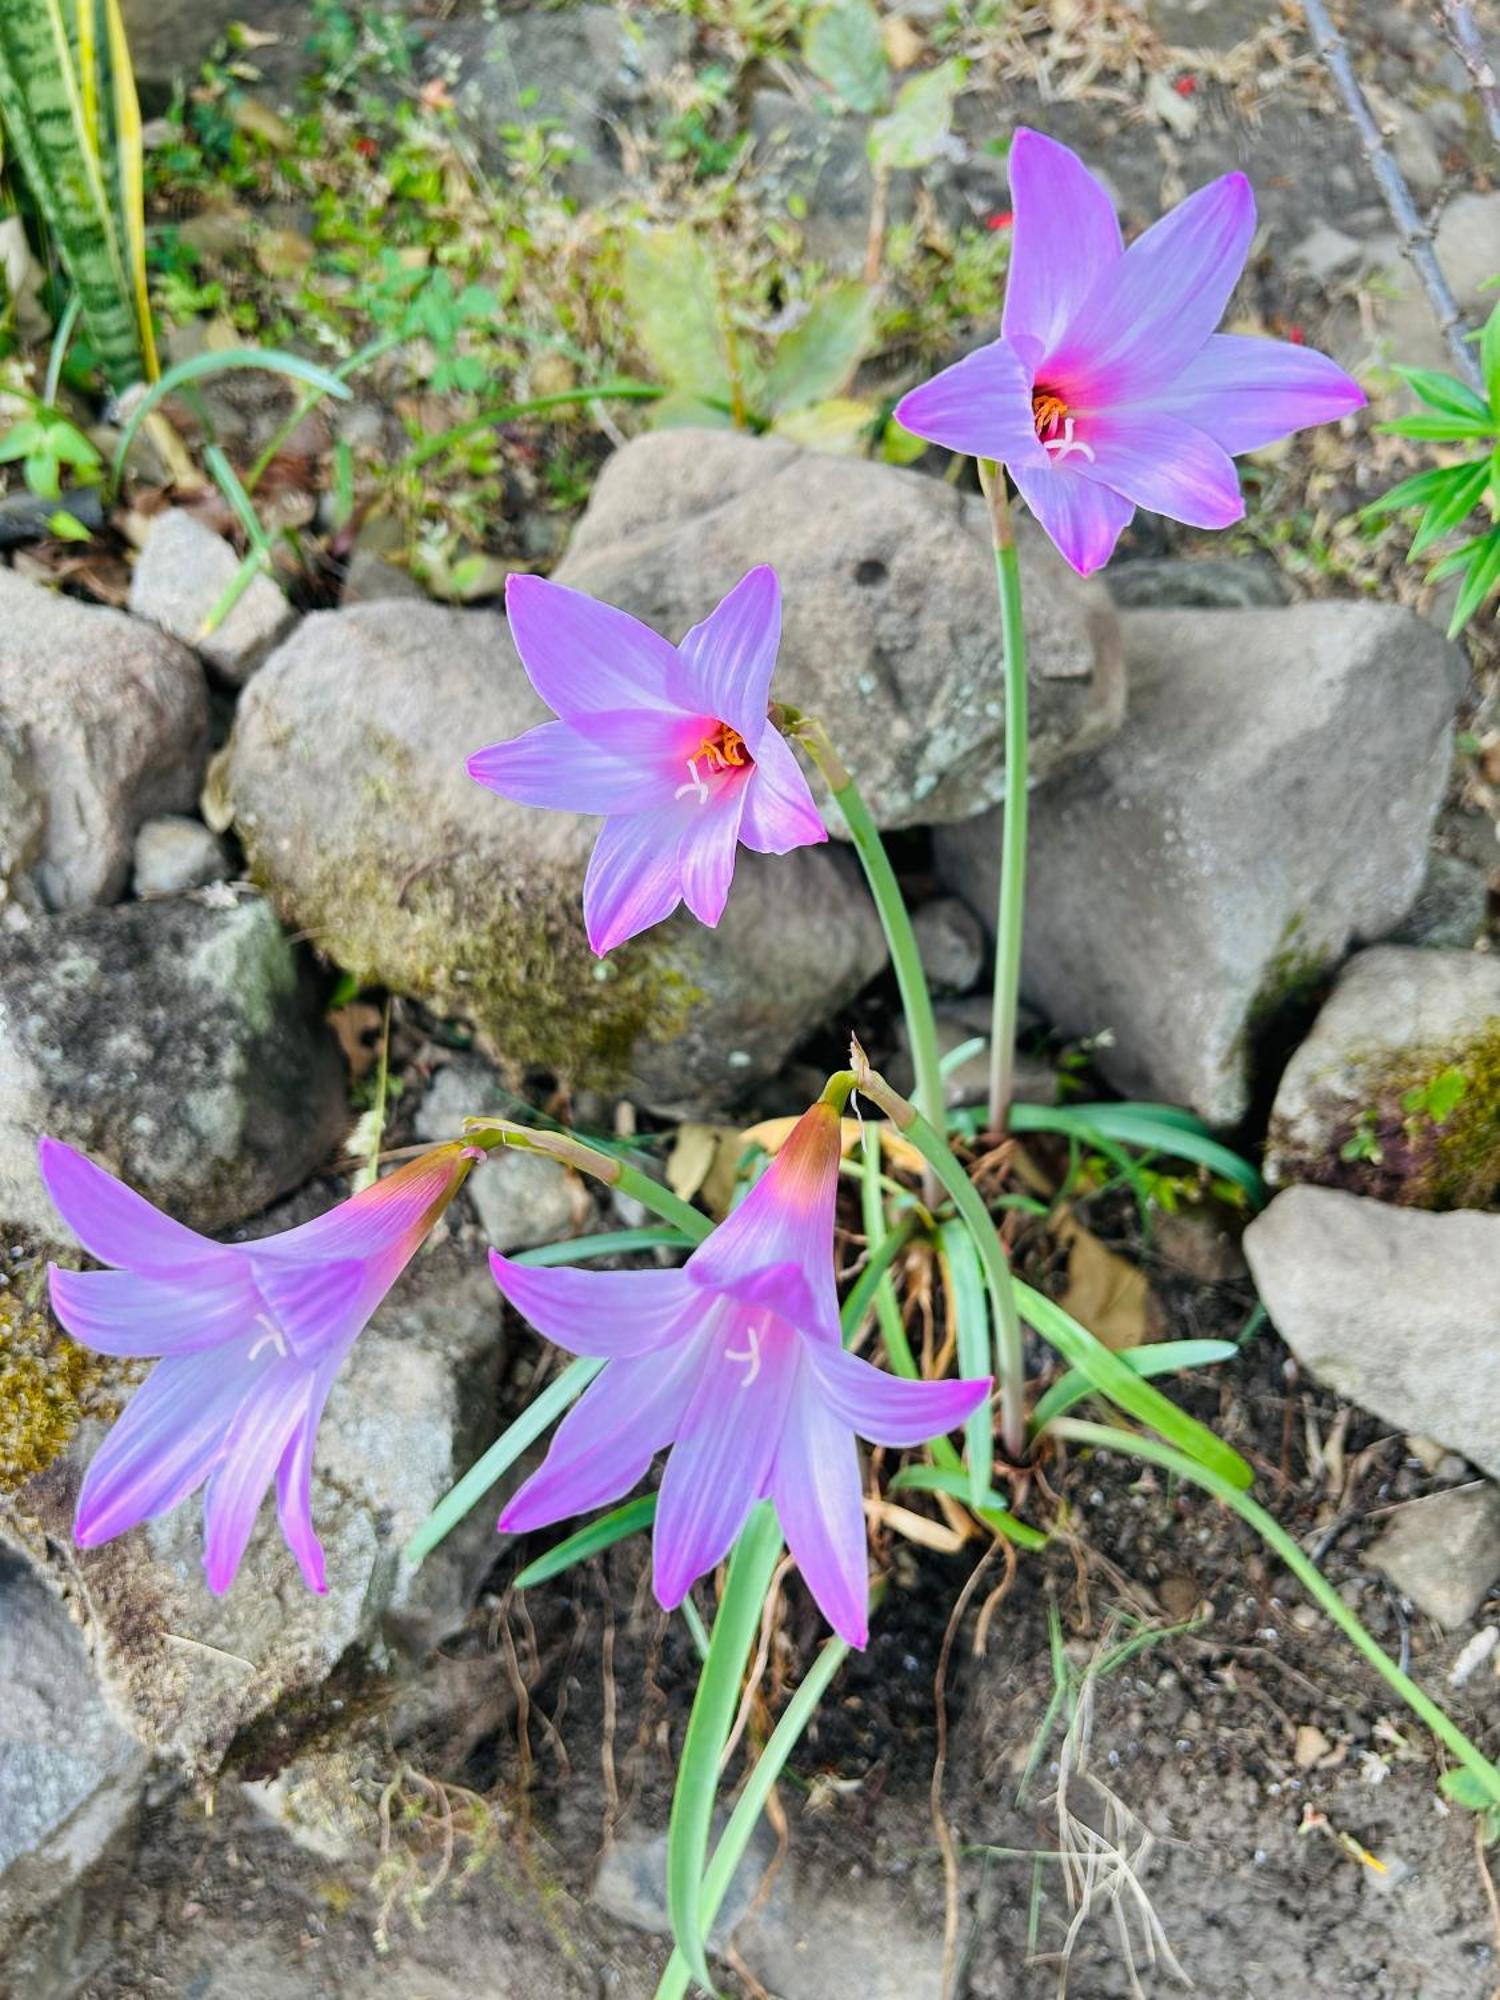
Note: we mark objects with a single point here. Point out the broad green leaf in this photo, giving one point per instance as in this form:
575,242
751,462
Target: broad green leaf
679,411
1418,491
1483,577
916,130
1452,507
899,446
1445,393
963,1278
672,296
1440,430
842,424
1489,360
1165,1357
844,48
817,357
599,1535
67,527
751,1566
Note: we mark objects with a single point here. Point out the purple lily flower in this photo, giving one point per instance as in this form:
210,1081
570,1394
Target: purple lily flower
735,1361
250,1338
1109,389
671,743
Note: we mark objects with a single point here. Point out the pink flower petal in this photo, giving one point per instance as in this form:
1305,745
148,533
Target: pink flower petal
617,1314
786,1219
731,656
605,1443
168,1440
779,812
707,851
582,656
721,1461
294,1490
1160,462
556,765
884,1408
262,1430
782,1289
116,1312
1146,316
1065,235
115,1224
633,879
981,405
1084,521
386,1222
815,1484
1247,392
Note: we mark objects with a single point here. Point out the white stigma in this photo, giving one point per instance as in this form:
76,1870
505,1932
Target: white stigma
750,1354
1068,443
272,1337
695,782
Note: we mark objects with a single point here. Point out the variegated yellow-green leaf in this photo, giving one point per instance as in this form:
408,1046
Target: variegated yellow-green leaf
815,360
916,129
672,296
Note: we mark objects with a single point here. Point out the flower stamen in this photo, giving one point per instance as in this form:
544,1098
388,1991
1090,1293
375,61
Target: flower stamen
723,749
1049,412
694,783
272,1337
750,1354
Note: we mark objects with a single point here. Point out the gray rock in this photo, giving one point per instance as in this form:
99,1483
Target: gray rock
179,577
412,1406
890,632
1267,803
960,1022
170,38
1451,908
174,854
1204,583
1443,1552
179,1044
521,1199
23,823
370,579
1325,251
950,943
70,1775
1399,1018
818,1938
632,1883
348,785
1464,244
1397,1309
108,720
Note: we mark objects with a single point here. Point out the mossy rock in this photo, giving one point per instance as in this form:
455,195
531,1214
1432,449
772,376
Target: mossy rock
1396,1092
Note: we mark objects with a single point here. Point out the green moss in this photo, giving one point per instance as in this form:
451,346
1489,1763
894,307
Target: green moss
502,957
48,1384
1290,984
1396,1151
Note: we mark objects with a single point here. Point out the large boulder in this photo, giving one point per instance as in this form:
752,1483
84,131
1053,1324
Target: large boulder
1266,804
890,629
103,722
177,1042
346,775
1396,1091
183,1670
1395,1308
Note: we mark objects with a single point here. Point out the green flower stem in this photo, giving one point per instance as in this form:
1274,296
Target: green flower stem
751,1567
752,1802
906,960
1010,1357
1010,913
1104,1437
492,1133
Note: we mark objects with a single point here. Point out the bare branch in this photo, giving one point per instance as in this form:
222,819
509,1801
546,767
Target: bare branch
1463,32
1416,238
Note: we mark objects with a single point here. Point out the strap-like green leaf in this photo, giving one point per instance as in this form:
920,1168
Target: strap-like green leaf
1445,393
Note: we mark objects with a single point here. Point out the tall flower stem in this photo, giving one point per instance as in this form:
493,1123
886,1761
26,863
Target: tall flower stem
1010,913
906,959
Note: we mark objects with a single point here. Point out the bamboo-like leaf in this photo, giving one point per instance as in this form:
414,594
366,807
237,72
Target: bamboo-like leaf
1483,577
1445,393
46,126
130,166
1453,507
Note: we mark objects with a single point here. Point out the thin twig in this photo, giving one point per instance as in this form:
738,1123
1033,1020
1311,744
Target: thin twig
1416,238
1463,31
